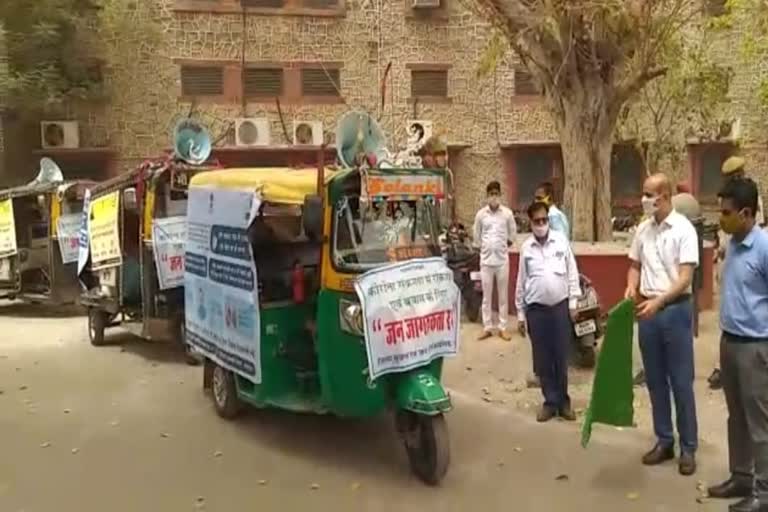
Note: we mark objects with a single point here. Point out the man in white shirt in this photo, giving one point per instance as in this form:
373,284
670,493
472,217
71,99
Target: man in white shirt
546,295
663,257
494,232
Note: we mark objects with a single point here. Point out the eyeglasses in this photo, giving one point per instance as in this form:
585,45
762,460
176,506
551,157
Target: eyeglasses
542,221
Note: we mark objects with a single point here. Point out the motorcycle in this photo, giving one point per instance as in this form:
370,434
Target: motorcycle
464,260
587,325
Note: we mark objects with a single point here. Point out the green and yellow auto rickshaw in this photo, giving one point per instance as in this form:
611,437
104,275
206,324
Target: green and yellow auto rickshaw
134,270
39,226
277,262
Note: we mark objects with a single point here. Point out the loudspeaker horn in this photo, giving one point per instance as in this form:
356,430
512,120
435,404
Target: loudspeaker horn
359,135
191,142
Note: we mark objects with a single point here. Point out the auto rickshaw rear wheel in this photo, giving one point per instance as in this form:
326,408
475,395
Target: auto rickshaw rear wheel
224,392
427,446
97,323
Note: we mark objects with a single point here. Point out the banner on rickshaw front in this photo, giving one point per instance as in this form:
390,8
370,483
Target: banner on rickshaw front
168,242
103,231
411,313
83,249
221,298
68,234
7,229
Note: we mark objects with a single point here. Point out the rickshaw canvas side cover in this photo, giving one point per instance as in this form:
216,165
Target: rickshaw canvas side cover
220,282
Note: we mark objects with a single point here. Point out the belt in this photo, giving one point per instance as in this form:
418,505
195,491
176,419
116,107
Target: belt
735,338
680,299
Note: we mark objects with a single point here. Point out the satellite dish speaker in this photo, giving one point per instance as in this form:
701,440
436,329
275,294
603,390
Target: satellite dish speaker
358,134
191,142
49,172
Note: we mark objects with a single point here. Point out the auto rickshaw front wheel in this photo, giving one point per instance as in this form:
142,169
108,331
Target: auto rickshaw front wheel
97,323
224,391
427,446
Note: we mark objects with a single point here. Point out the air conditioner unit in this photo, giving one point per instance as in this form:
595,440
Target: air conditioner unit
418,131
425,4
59,134
252,131
308,133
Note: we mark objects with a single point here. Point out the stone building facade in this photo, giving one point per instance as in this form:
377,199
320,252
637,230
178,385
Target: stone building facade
322,58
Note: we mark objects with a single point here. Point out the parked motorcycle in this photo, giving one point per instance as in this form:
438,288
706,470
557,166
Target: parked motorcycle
464,260
587,325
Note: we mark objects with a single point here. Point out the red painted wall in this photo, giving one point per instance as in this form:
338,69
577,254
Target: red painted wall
608,273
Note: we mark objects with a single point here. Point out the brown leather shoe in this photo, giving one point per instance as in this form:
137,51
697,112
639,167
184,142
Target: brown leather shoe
687,464
485,335
504,334
658,455
567,413
546,413
734,487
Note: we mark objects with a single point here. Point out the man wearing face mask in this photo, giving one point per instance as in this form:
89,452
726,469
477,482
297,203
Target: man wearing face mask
663,257
545,193
494,232
744,347
547,290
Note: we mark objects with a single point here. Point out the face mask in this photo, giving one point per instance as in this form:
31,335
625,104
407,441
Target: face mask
540,231
649,205
731,223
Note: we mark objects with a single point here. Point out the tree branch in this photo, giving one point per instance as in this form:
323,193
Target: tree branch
633,85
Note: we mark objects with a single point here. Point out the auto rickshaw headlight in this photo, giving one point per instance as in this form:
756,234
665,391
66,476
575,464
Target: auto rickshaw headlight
351,317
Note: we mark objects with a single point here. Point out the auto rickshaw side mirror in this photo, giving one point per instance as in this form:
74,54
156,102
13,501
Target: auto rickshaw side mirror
312,217
130,202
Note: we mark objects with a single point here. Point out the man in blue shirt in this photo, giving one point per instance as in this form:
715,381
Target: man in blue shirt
744,347
545,193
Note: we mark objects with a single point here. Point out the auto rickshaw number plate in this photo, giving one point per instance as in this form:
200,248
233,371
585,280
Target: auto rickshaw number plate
108,277
586,327
5,269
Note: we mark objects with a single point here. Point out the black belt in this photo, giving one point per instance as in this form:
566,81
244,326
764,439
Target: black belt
735,338
680,299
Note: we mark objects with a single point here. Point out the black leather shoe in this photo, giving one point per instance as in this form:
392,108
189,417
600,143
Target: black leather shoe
567,413
750,504
546,413
731,488
658,455
714,380
687,464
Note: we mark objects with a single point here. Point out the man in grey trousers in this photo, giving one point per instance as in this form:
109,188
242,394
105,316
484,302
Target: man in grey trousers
744,348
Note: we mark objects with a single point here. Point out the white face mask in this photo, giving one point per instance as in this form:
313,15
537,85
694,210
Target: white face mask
650,205
540,231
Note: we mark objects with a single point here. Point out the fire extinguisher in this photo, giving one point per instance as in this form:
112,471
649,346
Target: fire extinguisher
297,282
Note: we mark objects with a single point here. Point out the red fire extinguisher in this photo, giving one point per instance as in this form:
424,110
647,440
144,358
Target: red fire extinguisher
297,282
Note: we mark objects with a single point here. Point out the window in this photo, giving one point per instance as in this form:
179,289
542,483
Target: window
263,82
202,80
525,84
429,83
627,174
715,8
320,82
707,170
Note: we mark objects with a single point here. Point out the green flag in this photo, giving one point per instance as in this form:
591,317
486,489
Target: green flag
612,393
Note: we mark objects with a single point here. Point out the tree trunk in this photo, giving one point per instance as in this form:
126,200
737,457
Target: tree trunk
586,142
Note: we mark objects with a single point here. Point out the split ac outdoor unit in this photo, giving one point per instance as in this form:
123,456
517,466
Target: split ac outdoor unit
422,4
252,131
59,135
418,131
308,133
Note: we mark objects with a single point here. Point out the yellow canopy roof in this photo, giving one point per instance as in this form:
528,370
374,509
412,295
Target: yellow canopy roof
282,185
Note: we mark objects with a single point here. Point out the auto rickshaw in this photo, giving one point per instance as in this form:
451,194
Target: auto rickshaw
273,258
134,272
39,225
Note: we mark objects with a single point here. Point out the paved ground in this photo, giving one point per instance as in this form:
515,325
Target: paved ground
127,428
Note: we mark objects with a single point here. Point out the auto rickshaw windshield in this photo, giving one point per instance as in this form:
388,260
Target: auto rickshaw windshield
370,234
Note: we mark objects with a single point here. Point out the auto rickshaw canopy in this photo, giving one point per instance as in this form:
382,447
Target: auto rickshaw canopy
277,185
